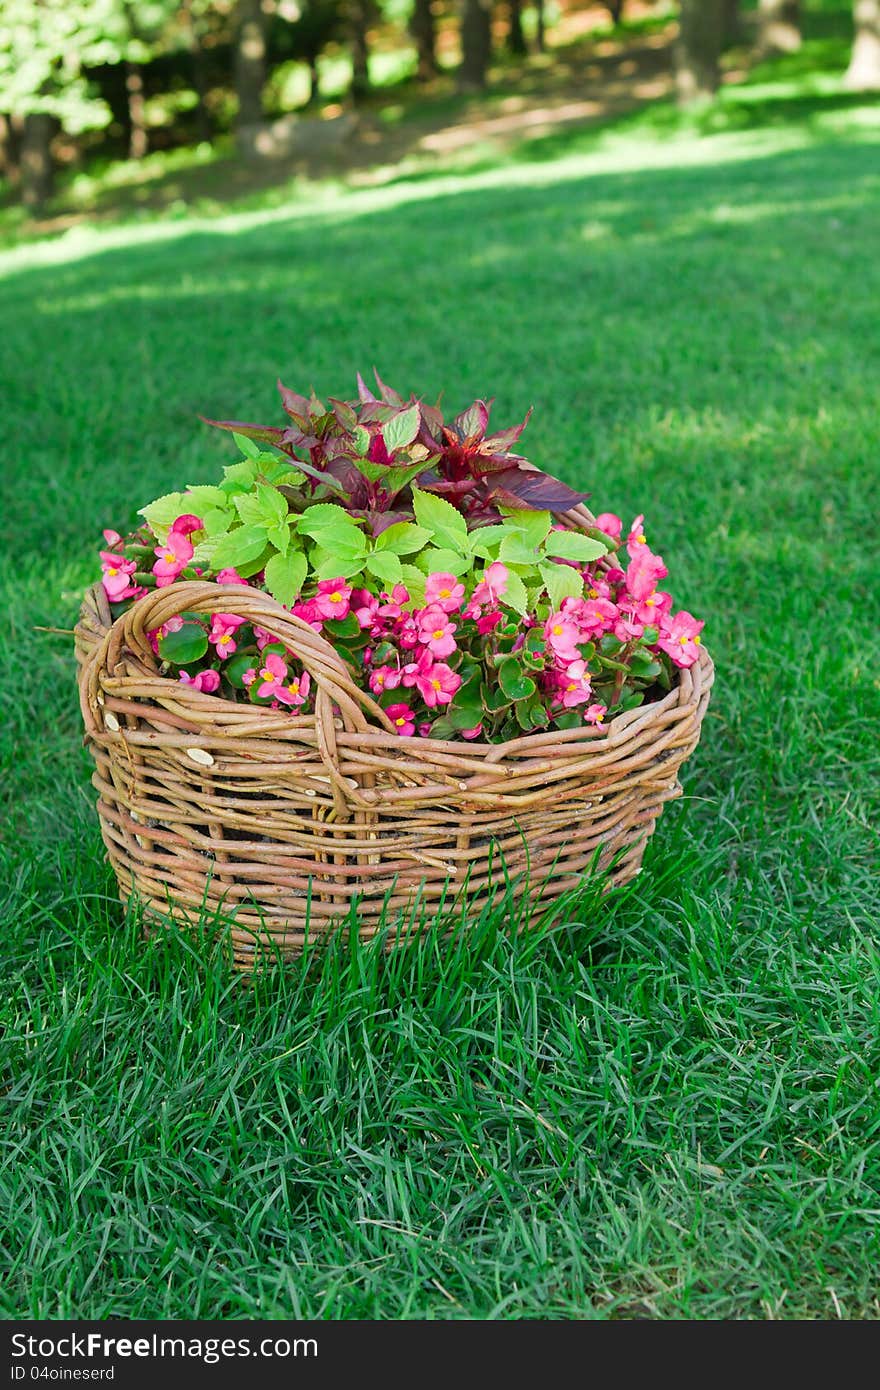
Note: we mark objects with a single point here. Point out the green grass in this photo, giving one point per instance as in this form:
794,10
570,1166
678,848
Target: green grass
665,1105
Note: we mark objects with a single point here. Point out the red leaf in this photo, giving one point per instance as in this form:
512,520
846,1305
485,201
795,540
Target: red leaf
525,487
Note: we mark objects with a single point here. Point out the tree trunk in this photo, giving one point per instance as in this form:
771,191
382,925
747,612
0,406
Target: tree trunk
779,26
37,171
697,73
615,9
137,122
204,130
476,44
516,39
314,80
423,27
863,73
360,49
250,62
10,148
541,34
732,32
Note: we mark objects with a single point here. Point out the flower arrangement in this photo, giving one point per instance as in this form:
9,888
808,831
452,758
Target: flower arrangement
430,554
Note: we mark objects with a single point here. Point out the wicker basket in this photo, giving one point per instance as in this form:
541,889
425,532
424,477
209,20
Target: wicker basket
280,821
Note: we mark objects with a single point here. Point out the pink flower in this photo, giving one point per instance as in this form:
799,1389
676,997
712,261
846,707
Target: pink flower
295,691
424,730
680,638
435,631
173,625
610,524
111,537
384,678
597,615
222,633
636,538
654,608
437,684
186,524
562,637
270,675
576,688
206,681
408,633
403,719
472,733
230,576
174,555
628,628
492,586
487,622
643,572
332,598
365,608
116,577
444,590
594,714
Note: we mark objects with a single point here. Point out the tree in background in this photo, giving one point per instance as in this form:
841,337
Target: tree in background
516,39
359,17
476,44
697,73
863,73
44,45
250,71
779,26
615,9
423,28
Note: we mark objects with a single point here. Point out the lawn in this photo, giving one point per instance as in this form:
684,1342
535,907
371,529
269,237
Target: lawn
665,1104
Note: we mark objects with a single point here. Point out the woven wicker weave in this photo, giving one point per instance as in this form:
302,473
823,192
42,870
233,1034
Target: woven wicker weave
279,821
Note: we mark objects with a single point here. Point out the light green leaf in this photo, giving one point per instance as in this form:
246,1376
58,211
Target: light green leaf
415,582
571,545
447,526
161,514
534,525
249,509
361,440
246,446
239,547
217,521
279,536
285,576
561,582
514,550
327,565
434,561
486,540
203,496
403,538
241,474
402,428
515,595
385,566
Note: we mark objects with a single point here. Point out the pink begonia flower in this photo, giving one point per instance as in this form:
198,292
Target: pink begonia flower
436,631
492,585
174,556
610,524
410,673
472,733
595,586
654,608
111,537
636,538
384,678
408,633
424,730
116,577
365,608
445,590
403,719
222,633
295,691
332,598
594,714
598,615
307,612
270,675
680,638
206,681
576,688
628,628
438,686
487,622
229,575
186,524
643,572
173,625
562,637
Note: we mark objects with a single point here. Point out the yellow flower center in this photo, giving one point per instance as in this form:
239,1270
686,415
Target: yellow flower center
336,598
399,723
438,633
640,540
435,685
380,679
650,601
169,557
573,686
445,593
683,641
697,640
225,640
593,593
112,571
294,687
266,674
557,630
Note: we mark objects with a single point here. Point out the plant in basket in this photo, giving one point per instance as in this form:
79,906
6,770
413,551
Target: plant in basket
369,559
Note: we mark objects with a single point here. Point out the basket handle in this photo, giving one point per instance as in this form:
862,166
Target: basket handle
327,669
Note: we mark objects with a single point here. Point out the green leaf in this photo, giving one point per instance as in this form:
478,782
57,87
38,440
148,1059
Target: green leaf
515,684
403,538
515,596
447,526
561,582
415,582
486,540
239,547
361,438
385,566
279,536
161,514
285,576
571,545
466,717
236,666
345,629
443,728
402,428
495,700
188,643
246,446
334,530
514,551
434,561
202,496
533,525
217,521
330,565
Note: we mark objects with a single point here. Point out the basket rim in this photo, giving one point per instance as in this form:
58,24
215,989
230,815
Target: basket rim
682,693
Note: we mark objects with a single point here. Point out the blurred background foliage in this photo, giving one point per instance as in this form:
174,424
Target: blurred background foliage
89,84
